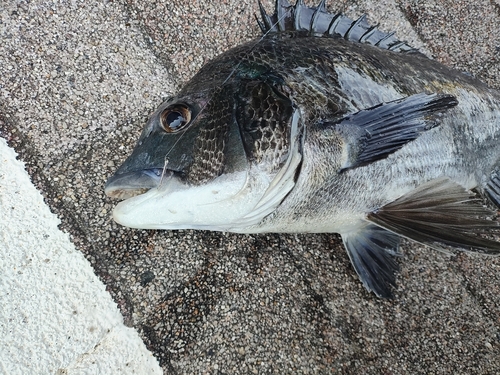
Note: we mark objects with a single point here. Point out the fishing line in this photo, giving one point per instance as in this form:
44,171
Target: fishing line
286,13
165,163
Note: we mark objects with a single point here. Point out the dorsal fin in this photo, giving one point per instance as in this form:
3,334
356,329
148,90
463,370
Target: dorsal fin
319,22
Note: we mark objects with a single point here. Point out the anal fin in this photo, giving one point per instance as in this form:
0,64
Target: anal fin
492,188
371,250
440,213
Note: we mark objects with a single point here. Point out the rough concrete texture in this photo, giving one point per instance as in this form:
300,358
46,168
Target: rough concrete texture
56,316
77,81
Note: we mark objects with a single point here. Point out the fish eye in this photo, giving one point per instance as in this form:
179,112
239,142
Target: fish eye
175,118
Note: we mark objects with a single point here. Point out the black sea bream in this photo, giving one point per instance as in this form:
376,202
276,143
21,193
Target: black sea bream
322,125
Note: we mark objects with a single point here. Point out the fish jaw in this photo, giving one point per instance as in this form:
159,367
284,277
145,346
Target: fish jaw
128,185
212,206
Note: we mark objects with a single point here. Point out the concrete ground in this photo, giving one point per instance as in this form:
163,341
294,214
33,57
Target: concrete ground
56,316
77,82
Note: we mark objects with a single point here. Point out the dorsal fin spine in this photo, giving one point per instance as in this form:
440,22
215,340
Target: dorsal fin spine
396,46
334,23
382,40
261,25
354,25
296,14
368,34
320,9
281,7
266,20
317,21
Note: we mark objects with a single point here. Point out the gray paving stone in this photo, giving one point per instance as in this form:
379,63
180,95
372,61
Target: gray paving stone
77,82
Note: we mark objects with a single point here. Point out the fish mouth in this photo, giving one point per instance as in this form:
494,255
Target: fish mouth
127,185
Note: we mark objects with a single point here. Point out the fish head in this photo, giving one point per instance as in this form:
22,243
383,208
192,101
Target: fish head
185,138
208,156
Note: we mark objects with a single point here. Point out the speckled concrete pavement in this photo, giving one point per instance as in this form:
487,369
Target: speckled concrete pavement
77,82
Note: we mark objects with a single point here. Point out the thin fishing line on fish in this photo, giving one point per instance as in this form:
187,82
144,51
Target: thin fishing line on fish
165,164
283,16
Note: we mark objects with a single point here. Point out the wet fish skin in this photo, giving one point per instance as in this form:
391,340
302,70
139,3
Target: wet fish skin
297,132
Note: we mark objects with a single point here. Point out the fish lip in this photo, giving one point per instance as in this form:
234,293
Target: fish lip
130,184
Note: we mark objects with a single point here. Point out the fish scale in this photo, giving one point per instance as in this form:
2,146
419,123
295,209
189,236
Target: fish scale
324,124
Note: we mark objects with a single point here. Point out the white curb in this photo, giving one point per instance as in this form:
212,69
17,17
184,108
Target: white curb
55,315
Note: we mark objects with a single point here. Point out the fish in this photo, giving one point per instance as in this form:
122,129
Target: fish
323,124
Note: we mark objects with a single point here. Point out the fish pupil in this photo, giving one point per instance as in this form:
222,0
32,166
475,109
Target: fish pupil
175,119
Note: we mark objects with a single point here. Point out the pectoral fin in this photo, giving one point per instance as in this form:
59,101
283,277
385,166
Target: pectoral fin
440,213
375,133
371,250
